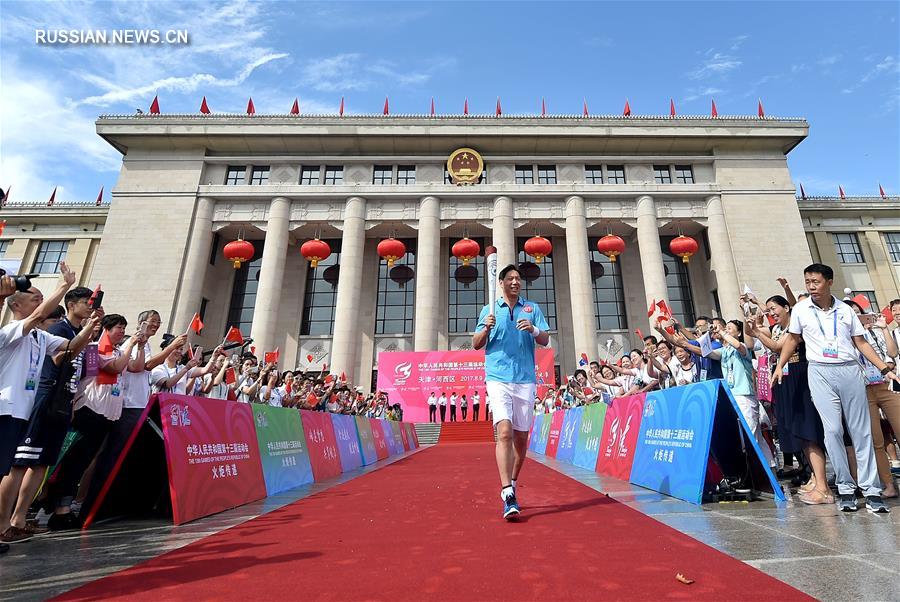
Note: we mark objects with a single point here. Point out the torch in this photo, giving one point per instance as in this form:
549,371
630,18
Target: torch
490,255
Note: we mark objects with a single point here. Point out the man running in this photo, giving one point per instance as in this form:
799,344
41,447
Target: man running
509,338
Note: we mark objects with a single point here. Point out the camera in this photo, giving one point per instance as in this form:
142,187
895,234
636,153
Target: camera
23,281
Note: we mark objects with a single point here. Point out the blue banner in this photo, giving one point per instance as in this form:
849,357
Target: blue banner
366,441
589,433
543,434
569,435
347,441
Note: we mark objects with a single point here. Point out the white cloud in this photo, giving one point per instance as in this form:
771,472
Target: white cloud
887,66
695,93
716,65
829,60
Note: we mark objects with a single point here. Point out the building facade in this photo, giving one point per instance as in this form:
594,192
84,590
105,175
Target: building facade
190,184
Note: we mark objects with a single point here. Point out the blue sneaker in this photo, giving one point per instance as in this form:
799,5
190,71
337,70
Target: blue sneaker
510,508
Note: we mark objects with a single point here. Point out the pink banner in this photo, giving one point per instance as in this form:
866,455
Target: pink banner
555,429
763,386
621,428
212,453
409,377
322,444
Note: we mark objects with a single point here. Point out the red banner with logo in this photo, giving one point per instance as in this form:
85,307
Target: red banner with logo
409,377
212,453
322,444
556,425
621,428
381,444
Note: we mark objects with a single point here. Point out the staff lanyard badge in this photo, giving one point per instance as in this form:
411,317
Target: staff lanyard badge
830,346
33,357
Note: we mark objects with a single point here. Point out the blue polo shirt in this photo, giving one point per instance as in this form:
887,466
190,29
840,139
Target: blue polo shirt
713,367
509,354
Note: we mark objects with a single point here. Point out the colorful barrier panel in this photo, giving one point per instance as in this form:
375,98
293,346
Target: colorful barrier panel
282,448
556,424
366,440
620,435
399,448
404,435
382,450
415,435
320,439
212,455
587,445
569,435
347,441
544,434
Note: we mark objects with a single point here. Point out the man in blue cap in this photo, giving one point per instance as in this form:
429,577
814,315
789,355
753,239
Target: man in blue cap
508,331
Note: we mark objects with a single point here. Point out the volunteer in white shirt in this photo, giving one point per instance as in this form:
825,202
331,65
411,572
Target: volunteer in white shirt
442,403
834,339
432,407
171,377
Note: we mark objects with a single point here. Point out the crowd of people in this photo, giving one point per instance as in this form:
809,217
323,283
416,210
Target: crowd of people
70,372
834,394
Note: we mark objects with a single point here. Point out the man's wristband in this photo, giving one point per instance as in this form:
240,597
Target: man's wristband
535,331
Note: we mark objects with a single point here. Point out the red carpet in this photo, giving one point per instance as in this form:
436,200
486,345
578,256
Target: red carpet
428,528
466,432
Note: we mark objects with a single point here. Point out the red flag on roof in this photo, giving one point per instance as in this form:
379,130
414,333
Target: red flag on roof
295,110
714,112
862,301
234,335
841,192
204,108
584,109
386,109
881,191
432,105
197,324
802,192
672,107
251,110
543,107
52,197
154,106
100,197
499,111
341,108
466,107
627,110
759,109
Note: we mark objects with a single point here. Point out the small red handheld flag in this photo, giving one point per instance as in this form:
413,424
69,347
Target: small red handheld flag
664,308
862,301
234,335
640,334
230,376
886,312
271,357
197,324
652,308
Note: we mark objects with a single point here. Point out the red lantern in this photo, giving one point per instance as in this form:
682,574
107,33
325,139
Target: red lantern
238,251
391,249
684,247
315,250
611,245
538,247
466,249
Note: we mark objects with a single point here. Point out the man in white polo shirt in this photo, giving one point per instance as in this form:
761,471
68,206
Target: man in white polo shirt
834,338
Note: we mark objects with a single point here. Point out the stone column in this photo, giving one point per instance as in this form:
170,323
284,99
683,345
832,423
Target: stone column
346,339
722,259
190,293
650,250
503,232
580,287
271,277
428,275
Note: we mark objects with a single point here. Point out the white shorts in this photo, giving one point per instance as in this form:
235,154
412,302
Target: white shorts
513,402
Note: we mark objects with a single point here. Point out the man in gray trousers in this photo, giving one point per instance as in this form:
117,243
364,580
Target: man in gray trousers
834,339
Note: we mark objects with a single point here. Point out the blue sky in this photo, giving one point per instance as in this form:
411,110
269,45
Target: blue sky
835,63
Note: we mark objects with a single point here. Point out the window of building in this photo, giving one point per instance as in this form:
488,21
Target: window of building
309,176
870,295
684,174
893,244
467,295
406,174
259,175
539,285
609,293
593,174
235,175
395,306
320,296
661,174
846,244
50,253
383,174
334,175
524,174
678,285
204,303
243,293
4,244
615,174
546,174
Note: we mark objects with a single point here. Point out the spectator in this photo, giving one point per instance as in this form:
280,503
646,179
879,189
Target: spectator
172,375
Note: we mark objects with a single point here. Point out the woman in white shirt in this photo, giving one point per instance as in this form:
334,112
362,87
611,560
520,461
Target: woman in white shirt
170,377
